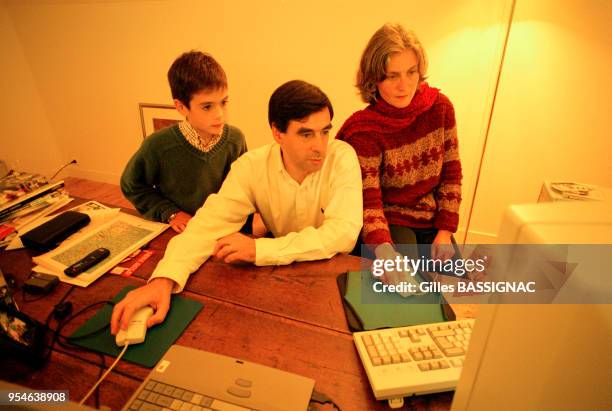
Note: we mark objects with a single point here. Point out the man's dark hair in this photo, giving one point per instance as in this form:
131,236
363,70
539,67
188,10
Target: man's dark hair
193,72
296,100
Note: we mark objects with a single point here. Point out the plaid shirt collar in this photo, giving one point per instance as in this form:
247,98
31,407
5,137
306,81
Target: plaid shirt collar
193,138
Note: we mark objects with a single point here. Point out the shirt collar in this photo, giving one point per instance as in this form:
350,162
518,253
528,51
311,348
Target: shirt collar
277,158
189,132
193,138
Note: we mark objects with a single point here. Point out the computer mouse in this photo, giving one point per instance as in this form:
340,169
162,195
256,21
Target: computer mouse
137,329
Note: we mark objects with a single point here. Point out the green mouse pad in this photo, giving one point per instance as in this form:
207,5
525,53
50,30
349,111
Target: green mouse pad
159,338
387,309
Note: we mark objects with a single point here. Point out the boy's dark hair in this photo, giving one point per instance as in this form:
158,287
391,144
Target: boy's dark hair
296,100
193,72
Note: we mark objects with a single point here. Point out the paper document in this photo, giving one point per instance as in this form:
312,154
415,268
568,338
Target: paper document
122,235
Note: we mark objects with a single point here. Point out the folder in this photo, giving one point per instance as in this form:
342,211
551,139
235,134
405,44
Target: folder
368,310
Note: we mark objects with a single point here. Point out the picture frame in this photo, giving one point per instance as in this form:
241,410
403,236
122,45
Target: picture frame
154,117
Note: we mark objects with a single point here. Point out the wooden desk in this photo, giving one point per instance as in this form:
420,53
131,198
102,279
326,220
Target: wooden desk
288,317
305,292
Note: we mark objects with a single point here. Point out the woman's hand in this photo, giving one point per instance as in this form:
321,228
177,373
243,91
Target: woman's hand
442,246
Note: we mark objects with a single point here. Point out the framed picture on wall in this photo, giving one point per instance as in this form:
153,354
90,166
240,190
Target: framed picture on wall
154,117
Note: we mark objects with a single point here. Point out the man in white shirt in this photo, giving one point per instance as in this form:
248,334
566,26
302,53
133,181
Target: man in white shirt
306,188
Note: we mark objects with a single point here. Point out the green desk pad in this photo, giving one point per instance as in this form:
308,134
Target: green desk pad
388,309
158,339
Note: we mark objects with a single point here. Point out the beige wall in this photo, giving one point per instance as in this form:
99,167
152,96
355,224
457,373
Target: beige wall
92,62
551,120
27,141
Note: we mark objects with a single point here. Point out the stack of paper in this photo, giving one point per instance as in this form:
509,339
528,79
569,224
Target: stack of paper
563,190
24,200
120,233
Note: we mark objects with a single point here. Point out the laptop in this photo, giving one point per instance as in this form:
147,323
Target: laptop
200,380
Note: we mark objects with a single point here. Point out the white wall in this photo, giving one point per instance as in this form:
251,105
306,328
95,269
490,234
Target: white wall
27,141
551,121
94,61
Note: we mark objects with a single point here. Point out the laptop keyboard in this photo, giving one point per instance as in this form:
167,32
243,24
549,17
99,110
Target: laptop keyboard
157,396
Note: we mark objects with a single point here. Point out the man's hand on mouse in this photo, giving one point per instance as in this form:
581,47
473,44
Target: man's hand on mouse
156,294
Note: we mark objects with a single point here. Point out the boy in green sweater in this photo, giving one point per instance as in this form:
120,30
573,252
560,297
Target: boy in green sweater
178,167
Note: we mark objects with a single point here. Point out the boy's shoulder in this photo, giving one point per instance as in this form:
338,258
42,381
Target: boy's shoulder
235,135
161,138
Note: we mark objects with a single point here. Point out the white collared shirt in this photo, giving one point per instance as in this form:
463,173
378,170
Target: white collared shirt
313,220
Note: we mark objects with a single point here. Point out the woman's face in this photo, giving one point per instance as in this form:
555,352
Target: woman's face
402,79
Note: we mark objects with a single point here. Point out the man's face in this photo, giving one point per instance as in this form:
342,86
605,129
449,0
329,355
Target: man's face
402,79
207,111
304,144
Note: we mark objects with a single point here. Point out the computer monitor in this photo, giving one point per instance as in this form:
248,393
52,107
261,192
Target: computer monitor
575,222
542,357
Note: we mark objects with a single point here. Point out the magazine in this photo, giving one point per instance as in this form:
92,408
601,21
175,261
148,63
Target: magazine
17,184
29,216
11,202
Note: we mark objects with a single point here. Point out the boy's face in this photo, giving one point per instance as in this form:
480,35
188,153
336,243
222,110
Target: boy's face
304,144
207,111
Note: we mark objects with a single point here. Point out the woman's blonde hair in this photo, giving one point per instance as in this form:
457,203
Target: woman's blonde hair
389,39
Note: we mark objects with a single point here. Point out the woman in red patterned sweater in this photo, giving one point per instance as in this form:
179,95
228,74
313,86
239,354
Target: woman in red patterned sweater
406,140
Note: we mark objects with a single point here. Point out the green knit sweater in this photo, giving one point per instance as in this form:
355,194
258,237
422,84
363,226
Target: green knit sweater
167,174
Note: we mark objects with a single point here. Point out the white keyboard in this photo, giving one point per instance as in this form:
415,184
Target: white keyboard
419,359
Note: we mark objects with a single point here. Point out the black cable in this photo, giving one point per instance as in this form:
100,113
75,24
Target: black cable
63,323
70,338
101,364
24,293
57,336
66,294
320,398
61,168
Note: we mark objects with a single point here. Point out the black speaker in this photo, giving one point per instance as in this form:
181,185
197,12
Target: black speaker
50,234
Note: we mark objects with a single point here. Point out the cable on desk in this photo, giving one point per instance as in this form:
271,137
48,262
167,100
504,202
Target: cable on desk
92,362
66,294
25,299
320,398
63,322
105,374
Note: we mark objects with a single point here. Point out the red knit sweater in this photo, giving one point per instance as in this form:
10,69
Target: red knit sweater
409,164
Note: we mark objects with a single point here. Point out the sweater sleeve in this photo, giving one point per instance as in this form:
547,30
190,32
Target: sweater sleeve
222,214
448,192
138,186
375,225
